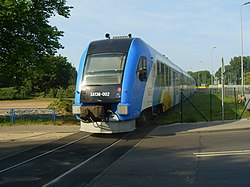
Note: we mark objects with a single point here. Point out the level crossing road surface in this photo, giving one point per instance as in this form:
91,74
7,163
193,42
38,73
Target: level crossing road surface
187,154
201,154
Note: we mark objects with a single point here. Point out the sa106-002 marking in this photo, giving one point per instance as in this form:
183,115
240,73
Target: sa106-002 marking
98,94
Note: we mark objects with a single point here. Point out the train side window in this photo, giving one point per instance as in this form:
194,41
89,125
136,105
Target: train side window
174,78
167,78
163,80
141,71
170,77
158,76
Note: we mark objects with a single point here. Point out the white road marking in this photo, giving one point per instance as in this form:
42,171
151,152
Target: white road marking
222,153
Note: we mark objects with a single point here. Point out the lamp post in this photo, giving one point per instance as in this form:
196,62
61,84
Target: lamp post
212,82
242,65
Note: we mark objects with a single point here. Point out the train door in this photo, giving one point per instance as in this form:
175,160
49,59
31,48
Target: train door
157,87
140,84
148,98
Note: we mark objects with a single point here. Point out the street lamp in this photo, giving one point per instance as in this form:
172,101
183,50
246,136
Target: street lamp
242,65
212,82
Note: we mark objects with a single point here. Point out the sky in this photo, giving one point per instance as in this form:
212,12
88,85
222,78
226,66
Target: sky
186,31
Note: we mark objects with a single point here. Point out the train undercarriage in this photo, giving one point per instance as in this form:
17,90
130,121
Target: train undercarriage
100,119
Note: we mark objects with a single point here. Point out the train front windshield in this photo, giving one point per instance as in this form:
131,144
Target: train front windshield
104,69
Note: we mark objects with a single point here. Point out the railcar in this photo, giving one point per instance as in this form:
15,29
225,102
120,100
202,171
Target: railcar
119,78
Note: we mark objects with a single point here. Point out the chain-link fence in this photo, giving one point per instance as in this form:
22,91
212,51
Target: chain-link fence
26,114
229,90
207,105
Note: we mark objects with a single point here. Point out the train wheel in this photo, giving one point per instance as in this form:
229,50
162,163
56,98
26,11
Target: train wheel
144,118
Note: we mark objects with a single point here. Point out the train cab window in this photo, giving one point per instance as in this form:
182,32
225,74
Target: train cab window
104,68
141,71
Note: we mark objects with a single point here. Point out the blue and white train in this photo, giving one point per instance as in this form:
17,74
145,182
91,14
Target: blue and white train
119,78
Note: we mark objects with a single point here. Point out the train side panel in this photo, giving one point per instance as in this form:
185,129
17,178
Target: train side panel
133,88
78,84
164,84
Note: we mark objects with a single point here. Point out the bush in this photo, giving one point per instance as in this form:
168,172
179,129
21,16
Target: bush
71,91
61,93
26,92
62,106
66,93
8,93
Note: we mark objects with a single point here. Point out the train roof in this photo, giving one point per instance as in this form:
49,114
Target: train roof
167,61
110,45
122,44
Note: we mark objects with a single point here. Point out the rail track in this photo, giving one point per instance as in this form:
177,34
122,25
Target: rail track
71,161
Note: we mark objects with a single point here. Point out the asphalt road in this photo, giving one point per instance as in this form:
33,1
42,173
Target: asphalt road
208,158
198,154
71,161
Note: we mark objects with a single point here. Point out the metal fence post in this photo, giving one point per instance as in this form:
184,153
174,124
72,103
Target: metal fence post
235,104
12,115
54,114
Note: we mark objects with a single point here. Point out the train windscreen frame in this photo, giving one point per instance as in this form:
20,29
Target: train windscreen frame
104,69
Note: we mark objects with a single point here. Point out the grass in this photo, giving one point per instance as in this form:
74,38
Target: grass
60,120
202,102
63,109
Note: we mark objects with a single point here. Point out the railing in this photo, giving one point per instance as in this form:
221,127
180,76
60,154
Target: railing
27,113
233,91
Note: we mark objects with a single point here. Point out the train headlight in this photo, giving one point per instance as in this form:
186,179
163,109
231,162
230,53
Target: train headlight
76,109
122,109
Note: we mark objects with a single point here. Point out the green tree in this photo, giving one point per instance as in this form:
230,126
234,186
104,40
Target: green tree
228,75
201,77
55,73
247,78
26,36
233,70
235,64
